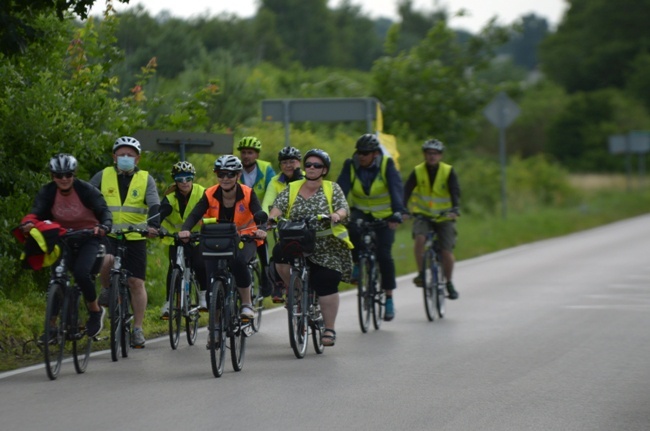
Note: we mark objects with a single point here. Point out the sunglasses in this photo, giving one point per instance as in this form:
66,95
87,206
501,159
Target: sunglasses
226,174
364,153
61,176
314,165
184,179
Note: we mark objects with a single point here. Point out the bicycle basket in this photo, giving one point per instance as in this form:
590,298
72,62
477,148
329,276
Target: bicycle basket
219,241
296,238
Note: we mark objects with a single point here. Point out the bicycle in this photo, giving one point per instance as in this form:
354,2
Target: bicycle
65,313
433,277
371,298
183,292
119,302
220,243
255,269
297,238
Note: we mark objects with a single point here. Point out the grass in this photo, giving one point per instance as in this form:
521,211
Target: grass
602,200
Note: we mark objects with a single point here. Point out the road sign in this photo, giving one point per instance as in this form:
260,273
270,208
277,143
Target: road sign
162,140
617,144
501,111
639,141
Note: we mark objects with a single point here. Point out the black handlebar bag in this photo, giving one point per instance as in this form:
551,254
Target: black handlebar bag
219,241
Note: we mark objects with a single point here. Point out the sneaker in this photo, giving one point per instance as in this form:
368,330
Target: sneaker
247,312
418,281
95,322
44,339
203,303
453,294
138,340
278,293
354,279
164,311
207,344
103,297
389,314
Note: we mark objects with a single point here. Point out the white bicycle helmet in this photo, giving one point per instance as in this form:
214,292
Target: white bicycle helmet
228,163
127,141
433,144
63,163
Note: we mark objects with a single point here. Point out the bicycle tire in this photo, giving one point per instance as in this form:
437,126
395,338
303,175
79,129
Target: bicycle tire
126,318
115,313
297,313
378,298
175,299
54,330
192,314
236,333
256,295
81,342
440,287
364,297
316,323
429,284
216,328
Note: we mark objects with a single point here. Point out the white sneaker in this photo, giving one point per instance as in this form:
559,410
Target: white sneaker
203,305
164,311
247,312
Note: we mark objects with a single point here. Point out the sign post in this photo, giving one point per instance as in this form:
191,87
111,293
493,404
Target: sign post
501,112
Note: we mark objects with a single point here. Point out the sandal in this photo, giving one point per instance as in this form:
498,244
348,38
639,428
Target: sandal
326,339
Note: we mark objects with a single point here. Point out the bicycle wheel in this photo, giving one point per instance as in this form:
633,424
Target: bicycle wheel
316,323
115,315
54,337
440,280
256,295
175,307
217,328
429,284
127,319
81,343
192,315
237,337
377,298
364,297
297,312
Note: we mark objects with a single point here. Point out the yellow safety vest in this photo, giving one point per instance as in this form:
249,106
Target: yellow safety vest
431,201
338,230
134,211
378,203
173,222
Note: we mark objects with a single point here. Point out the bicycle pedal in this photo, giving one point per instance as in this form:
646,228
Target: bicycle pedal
137,347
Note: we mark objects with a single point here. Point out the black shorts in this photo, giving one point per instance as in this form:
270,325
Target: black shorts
135,259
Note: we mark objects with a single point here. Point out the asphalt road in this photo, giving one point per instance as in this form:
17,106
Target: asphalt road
553,335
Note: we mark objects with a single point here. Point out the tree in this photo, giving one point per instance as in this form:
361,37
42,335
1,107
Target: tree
431,89
16,28
529,31
597,43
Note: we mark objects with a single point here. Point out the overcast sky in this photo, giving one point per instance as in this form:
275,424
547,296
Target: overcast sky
479,11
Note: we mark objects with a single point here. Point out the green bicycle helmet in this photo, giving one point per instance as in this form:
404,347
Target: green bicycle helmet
250,142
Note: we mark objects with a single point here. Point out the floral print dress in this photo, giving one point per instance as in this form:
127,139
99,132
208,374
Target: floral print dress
329,251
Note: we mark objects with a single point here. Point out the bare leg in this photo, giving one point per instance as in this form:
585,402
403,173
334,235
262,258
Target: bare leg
138,299
329,306
448,260
418,248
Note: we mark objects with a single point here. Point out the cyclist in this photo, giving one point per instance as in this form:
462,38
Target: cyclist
237,203
432,189
374,189
331,260
74,204
180,198
132,196
289,158
257,175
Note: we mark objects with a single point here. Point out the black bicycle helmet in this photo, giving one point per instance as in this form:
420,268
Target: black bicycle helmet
228,162
63,163
183,168
433,144
367,143
321,155
289,153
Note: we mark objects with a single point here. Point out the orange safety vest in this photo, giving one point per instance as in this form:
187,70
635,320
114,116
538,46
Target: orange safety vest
243,215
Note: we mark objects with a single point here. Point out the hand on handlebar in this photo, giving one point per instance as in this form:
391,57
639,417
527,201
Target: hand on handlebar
152,232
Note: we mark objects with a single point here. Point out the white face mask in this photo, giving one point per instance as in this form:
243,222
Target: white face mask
125,163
